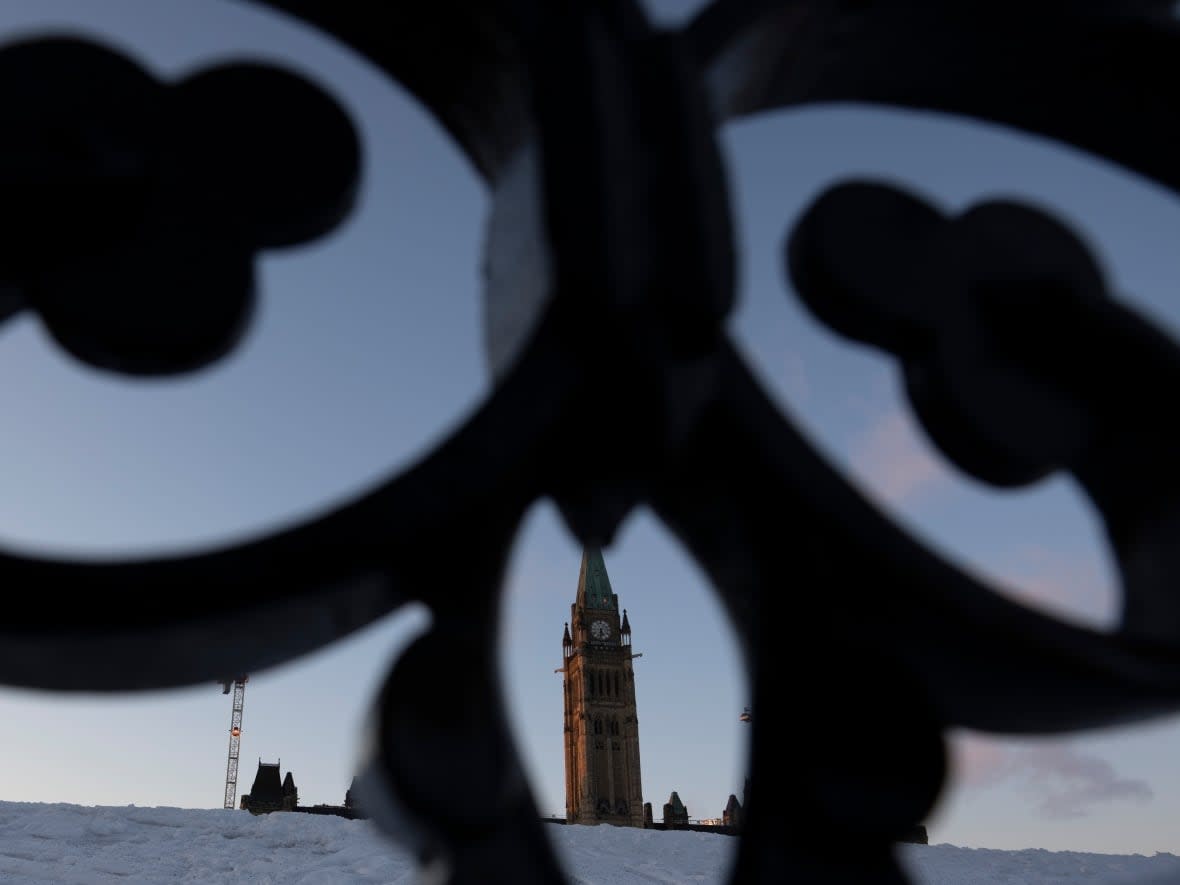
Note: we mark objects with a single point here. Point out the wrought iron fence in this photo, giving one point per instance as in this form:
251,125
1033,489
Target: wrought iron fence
997,317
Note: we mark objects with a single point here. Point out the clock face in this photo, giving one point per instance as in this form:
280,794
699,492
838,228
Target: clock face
600,630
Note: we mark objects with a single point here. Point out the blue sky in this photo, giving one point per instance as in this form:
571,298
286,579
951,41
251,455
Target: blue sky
367,349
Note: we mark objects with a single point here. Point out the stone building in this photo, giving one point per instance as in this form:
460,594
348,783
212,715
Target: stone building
269,793
675,814
601,726
732,816
602,777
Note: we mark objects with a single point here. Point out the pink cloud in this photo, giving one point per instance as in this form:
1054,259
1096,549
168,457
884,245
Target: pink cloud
1066,782
1061,781
979,762
895,463
1079,588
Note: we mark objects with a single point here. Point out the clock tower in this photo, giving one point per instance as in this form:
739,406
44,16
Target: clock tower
602,783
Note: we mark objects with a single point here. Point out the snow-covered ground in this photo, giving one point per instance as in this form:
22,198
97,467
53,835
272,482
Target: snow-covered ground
85,845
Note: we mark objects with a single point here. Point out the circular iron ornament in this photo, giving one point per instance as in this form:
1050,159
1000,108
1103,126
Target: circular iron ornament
992,315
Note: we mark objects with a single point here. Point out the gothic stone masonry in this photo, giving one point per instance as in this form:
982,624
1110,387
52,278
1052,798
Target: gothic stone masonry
602,780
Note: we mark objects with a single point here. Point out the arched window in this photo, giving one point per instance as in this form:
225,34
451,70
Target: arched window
597,726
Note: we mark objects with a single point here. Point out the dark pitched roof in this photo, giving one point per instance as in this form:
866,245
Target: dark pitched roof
594,589
267,786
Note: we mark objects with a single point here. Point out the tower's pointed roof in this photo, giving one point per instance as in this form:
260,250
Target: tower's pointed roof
267,786
593,584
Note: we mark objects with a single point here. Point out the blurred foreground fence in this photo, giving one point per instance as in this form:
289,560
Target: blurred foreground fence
596,134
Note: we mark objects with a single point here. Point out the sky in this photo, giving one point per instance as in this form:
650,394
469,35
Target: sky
65,844
367,350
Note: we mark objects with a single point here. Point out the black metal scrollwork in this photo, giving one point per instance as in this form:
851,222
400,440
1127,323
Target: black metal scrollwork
119,184
997,318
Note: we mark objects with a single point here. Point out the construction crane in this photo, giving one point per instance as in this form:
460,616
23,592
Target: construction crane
235,736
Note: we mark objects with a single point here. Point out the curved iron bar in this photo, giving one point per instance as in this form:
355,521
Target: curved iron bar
623,117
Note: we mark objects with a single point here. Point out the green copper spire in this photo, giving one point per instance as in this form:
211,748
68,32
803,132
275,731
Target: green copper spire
593,585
